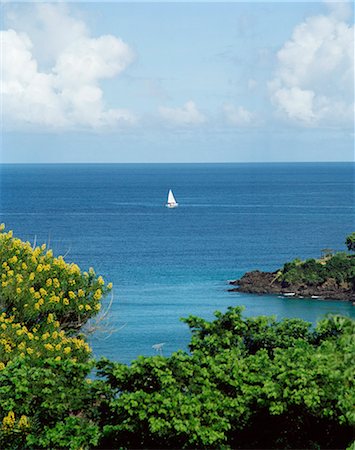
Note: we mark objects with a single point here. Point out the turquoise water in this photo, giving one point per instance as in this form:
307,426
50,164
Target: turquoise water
166,264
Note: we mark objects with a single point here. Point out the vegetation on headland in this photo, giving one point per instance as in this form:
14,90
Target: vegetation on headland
246,383
339,267
331,276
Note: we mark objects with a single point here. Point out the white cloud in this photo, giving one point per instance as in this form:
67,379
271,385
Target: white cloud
340,9
185,116
238,116
67,95
314,80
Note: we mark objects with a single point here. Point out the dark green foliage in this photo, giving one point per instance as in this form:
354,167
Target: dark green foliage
350,242
249,383
49,393
339,267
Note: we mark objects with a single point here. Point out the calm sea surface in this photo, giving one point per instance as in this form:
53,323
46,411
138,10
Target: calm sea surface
166,264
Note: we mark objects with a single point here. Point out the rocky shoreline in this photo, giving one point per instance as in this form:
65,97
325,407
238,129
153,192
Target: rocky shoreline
257,282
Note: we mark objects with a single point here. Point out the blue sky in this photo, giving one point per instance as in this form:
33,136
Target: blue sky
177,82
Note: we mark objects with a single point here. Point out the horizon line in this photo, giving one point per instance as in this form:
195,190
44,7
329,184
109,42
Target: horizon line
172,162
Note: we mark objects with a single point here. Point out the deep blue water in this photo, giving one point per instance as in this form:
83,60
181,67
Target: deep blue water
166,264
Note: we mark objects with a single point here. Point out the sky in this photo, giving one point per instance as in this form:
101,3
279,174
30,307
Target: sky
170,81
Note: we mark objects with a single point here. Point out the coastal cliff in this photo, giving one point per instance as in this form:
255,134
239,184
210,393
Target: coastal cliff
257,282
330,277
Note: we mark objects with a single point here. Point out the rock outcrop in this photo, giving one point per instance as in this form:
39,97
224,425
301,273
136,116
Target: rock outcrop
257,282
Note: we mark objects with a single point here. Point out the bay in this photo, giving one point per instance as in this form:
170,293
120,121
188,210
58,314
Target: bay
166,264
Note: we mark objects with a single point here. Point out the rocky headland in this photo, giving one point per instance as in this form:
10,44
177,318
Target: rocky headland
257,282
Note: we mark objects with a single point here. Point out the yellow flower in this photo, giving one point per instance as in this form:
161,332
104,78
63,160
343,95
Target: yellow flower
67,350
21,346
88,307
74,269
48,346
71,294
109,286
57,358
9,420
98,294
66,301
24,266
29,350
50,318
100,280
2,366
56,283
81,293
49,282
23,422
19,278
97,307
39,268
18,290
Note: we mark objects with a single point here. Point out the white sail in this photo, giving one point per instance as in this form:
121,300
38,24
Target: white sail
171,200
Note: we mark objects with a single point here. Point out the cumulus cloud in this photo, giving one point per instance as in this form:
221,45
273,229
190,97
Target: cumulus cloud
68,94
238,116
314,80
186,116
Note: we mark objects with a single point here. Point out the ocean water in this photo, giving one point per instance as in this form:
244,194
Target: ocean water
166,264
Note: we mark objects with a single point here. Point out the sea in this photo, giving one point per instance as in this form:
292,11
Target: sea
171,263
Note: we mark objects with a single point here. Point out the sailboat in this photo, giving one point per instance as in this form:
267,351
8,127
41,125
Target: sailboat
171,203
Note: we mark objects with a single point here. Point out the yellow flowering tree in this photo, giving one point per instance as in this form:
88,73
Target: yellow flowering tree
35,283
45,396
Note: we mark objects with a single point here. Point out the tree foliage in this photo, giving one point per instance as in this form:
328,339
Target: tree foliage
339,267
350,242
248,383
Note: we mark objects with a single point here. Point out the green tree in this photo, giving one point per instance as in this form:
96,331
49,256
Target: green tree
350,242
248,383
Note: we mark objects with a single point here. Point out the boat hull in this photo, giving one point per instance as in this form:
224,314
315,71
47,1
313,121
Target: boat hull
172,205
